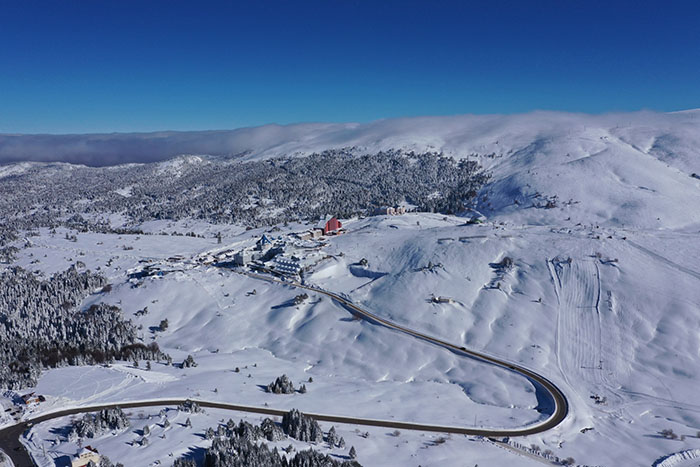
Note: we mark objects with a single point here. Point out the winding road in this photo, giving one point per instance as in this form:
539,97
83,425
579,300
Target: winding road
548,392
550,397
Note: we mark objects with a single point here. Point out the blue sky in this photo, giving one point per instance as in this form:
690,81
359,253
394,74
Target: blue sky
98,66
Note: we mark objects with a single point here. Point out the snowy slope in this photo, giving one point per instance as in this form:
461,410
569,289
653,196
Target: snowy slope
603,296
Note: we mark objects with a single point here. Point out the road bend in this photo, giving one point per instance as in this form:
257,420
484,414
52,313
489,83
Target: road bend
561,405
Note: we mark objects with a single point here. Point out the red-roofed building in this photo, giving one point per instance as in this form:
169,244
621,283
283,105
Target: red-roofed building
329,225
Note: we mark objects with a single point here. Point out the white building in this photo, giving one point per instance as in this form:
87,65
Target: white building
389,211
243,257
287,265
308,235
384,211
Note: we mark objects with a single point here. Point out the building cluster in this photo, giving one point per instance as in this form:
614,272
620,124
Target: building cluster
153,269
330,225
284,255
389,211
275,254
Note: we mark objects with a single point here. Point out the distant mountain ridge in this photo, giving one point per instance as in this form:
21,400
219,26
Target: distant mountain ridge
676,132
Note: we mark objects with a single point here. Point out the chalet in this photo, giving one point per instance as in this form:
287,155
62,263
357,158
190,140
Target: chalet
329,225
85,456
32,398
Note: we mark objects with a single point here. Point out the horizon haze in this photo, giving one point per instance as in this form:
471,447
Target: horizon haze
456,135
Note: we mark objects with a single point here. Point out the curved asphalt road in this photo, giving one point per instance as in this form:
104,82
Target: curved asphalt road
10,436
561,405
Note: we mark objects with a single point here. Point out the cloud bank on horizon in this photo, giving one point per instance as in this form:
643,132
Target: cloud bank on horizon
463,134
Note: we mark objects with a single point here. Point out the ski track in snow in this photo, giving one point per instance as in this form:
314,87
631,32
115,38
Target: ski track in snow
586,351
581,355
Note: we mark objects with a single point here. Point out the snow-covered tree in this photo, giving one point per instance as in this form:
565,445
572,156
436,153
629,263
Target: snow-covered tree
281,385
189,362
42,325
93,425
301,427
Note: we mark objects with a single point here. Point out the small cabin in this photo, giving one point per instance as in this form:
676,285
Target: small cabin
442,300
85,456
32,398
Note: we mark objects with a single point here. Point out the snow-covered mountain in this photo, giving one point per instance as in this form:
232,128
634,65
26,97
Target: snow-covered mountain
454,135
599,216
633,169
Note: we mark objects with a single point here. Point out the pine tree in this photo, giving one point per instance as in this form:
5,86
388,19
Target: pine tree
332,437
189,362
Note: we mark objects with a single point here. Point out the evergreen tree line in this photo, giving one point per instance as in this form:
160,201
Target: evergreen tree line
238,445
42,325
254,193
94,425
